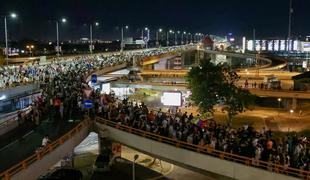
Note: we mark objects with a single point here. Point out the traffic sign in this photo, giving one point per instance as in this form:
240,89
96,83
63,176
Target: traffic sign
88,104
94,78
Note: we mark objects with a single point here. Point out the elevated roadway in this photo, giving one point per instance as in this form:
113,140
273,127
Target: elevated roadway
202,159
183,86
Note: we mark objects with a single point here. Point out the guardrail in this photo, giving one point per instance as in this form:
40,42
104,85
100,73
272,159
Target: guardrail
276,168
38,155
12,122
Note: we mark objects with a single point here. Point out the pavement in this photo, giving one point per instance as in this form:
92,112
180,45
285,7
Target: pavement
146,167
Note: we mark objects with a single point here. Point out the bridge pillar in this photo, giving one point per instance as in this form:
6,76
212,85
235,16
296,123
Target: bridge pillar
294,103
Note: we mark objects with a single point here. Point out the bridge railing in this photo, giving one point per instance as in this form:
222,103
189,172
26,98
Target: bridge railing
39,154
276,168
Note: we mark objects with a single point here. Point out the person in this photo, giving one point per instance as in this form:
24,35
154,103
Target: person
19,118
45,140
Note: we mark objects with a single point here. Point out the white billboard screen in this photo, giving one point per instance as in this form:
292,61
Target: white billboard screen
282,45
270,45
172,99
250,45
276,45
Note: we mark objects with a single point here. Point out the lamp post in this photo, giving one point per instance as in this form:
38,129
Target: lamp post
167,36
91,47
63,20
30,47
13,16
157,37
188,38
279,105
147,37
182,41
122,38
170,32
291,112
133,166
176,37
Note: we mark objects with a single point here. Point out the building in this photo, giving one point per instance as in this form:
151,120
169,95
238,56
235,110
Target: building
302,82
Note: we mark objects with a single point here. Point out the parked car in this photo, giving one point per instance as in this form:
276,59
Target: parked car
62,173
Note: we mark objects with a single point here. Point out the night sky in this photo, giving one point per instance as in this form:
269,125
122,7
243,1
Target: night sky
269,17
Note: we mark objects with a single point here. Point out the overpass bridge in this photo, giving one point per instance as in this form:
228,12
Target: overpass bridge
183,86
294,95
222,165
202,159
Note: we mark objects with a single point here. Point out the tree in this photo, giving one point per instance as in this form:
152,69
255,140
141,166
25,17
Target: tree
213,84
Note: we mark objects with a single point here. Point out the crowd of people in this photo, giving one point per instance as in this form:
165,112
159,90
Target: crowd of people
289,151
62,84
15,75
62,98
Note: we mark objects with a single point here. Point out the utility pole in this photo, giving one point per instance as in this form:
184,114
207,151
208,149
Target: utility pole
91,38
254,40
289,23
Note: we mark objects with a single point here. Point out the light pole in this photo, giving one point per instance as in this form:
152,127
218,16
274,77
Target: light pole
147,36
167,36
13,16
157,37
91,47
291,112
170,32
176,37
182,41
122,38
289,24
63,20
279,104
133,166
30,47
188,38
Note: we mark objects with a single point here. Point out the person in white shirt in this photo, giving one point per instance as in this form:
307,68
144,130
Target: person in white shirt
45,140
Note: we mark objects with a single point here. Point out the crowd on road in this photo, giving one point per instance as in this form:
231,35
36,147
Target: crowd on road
11,76
62,84
289,151
62,98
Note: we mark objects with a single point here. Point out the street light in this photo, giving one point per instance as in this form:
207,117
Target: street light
182,41
30,47
122,38
157,36
12,16
91,47
147,35
291,112
279,104
63,20
133,166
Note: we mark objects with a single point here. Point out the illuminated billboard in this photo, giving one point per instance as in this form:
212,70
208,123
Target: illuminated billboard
264,47
282,45
250,45
276,45
257,45
270,45
295,45
172,99
306,46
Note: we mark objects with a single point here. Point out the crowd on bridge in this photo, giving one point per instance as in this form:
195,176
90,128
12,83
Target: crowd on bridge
289,151
63,83
15,75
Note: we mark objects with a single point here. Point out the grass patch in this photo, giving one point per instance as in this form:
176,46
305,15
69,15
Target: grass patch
241,120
